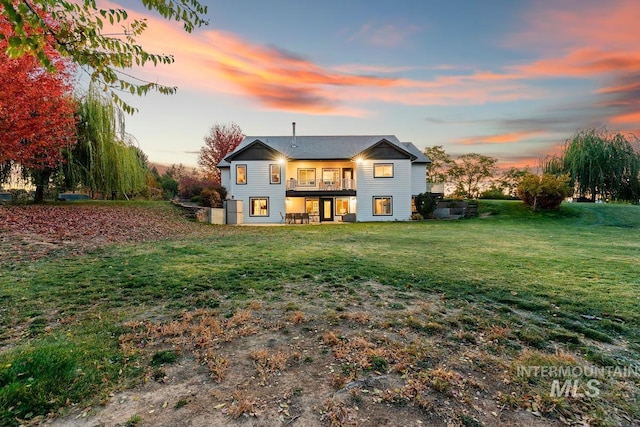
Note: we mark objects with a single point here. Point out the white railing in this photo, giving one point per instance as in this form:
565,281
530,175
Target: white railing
343,184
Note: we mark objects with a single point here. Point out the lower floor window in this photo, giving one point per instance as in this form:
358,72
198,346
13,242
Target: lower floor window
383,205
342,205
259,206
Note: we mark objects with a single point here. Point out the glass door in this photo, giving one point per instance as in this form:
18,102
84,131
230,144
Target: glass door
326,209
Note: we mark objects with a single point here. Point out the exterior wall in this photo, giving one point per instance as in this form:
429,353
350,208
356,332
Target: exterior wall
400,187
418,179
224,177
397,187
258,178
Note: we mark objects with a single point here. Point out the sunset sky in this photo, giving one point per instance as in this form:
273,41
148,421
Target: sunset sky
509,79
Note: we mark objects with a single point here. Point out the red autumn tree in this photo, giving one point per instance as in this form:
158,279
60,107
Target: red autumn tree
36,111
220,141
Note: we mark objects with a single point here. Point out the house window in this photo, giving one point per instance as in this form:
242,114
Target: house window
259,206
241,174
331,177
342,205
274,174
382,205
312,206
307,177
383,170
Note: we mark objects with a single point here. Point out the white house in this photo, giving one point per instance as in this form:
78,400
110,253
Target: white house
324,178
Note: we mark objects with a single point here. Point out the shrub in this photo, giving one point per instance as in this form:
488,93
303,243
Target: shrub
425,204
221,191
494,193
190,186
210,198
544,192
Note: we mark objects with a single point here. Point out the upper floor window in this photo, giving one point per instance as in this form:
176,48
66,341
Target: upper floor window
307,177
241,174
383,170
331,176
274,174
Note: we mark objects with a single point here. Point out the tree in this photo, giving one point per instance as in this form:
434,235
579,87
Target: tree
220,141
441,162
510,179
103,160
36,112
469,171
89,36
544,192
604,164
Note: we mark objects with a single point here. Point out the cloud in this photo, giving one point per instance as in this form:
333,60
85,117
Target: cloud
219,61
387,69
582,63
502,138
385,35
274,78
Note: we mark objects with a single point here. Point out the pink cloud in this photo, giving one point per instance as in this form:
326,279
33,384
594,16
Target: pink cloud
578,24
503,138
631,118
581,62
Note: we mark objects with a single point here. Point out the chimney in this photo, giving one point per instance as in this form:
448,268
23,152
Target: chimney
293,143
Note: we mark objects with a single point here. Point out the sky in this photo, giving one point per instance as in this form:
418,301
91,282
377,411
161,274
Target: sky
511,79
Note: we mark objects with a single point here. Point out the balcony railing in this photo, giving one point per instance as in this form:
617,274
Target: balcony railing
343,184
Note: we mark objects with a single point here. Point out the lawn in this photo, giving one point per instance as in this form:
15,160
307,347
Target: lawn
352,324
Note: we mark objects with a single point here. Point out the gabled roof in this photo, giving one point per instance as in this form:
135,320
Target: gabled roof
325,147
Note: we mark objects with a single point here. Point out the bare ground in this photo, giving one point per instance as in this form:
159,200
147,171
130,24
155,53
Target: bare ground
300,362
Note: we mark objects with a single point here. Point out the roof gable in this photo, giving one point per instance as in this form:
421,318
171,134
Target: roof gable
384,149
324,147
256,150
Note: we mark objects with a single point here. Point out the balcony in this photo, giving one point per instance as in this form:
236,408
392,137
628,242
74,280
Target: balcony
344,186
340,185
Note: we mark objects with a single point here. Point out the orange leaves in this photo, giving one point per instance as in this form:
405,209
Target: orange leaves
36,109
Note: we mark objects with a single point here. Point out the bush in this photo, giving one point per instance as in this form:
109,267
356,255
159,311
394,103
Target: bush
221,191
544,192
191,186
425,204
210,198
494,193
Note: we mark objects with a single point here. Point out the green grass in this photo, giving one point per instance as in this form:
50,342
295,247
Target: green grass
60,318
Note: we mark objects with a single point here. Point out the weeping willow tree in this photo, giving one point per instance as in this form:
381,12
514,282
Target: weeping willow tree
104,160
601,164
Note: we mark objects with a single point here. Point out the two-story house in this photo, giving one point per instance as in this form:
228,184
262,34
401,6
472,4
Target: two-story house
324,178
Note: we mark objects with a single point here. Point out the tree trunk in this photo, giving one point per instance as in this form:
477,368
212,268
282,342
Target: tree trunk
41,179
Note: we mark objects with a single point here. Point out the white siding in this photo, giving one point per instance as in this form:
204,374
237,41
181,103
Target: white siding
258,186
398,187
224,177
418,179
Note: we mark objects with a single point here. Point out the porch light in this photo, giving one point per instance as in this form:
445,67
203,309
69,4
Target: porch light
359,160
281,160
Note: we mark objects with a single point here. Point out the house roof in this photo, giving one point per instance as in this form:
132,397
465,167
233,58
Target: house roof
326,147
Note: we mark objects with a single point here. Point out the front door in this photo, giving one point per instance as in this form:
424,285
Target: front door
326,209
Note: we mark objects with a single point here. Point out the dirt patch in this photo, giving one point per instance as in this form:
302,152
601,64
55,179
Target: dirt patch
331,356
